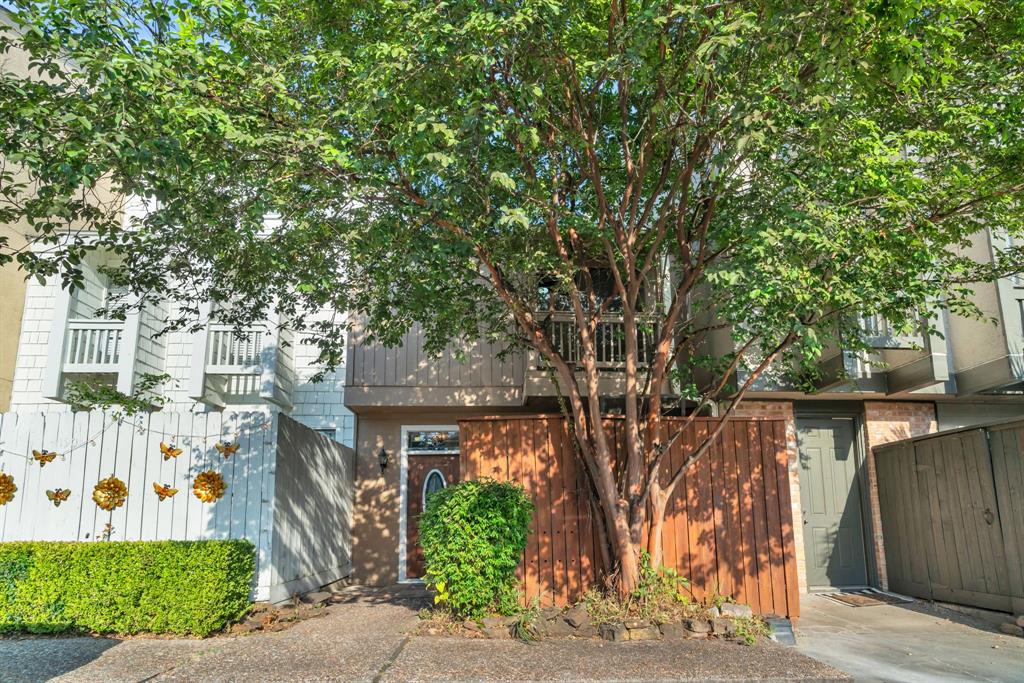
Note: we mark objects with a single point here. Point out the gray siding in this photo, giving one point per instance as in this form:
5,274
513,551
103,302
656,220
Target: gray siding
314,490
410,366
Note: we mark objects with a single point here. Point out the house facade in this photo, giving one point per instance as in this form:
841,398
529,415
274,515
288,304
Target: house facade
409,405
238,405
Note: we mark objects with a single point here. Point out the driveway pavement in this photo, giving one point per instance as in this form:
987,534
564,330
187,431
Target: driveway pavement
912,642
367,640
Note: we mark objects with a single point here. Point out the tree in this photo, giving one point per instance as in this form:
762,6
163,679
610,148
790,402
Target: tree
770,171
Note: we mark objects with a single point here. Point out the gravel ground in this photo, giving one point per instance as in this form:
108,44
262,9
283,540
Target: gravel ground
451,659
367,640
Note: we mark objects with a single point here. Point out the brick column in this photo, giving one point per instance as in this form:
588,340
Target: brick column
784,410
885,422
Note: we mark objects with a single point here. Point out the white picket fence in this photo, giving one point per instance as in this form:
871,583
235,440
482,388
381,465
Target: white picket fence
93,446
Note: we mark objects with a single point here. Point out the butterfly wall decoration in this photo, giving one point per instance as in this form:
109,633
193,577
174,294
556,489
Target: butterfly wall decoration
44,456
227,449
163,491
169,450
58,496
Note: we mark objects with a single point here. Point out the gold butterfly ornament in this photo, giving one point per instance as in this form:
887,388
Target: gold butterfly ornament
169,450
58,496
163,491
227,449
44,456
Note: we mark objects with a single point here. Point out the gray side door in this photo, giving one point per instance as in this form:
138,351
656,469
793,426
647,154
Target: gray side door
830,496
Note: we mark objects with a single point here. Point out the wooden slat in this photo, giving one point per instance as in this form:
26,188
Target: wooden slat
771,497
556,493
785,515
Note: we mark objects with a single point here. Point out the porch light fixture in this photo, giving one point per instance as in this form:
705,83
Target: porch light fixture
383,458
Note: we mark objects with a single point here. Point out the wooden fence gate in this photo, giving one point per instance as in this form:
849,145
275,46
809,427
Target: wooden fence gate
728,528
953,516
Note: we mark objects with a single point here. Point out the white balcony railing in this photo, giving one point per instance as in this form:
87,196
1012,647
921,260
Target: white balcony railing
881,335
232,353
93,346
610,340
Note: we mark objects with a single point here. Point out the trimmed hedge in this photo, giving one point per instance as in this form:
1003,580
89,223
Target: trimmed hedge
182,587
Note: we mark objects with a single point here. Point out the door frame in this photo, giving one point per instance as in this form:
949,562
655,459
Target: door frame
844,411
403,491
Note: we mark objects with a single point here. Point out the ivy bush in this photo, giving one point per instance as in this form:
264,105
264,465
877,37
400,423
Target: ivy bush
473,534
180,587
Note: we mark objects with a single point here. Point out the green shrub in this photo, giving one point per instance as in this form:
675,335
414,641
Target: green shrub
182,587
473,534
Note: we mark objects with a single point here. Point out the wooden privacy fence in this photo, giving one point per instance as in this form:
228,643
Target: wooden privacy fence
728,526
953,516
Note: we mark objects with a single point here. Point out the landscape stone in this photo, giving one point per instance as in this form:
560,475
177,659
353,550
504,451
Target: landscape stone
614,632
731,610
495,622
586,631
646,633
1012,629
637,623
1020,620
723,627
577,616
497,632
714,612
674,631
317,598
550,613
470,625
560,628
697,625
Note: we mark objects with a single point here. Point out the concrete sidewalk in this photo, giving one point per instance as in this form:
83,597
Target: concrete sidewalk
367,640
912,642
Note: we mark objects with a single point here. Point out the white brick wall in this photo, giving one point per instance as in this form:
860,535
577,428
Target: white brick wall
318,406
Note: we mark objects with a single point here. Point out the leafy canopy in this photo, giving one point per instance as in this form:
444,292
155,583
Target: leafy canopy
834,158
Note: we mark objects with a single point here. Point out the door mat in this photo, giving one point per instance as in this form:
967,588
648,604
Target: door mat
866,597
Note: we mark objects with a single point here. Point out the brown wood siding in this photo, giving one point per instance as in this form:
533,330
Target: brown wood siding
728,527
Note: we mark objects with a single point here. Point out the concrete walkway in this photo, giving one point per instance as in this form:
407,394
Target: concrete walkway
367,640
912,642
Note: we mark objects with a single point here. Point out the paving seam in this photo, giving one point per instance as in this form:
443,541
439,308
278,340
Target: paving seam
391,659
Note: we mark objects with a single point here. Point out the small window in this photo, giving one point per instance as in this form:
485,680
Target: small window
331,433
434,482
433,441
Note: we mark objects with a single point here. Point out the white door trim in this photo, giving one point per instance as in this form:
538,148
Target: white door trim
403,493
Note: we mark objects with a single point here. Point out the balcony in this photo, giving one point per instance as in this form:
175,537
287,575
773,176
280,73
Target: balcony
234,353
241,366
610,349
610,341
93,346
898,362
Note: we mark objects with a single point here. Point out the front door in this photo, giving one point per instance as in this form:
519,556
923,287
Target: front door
431,459
830,495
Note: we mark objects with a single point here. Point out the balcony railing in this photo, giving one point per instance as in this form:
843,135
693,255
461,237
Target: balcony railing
881,335
610,340
93,346
232,353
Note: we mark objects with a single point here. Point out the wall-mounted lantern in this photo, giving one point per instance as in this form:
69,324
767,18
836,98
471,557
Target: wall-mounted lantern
383,458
